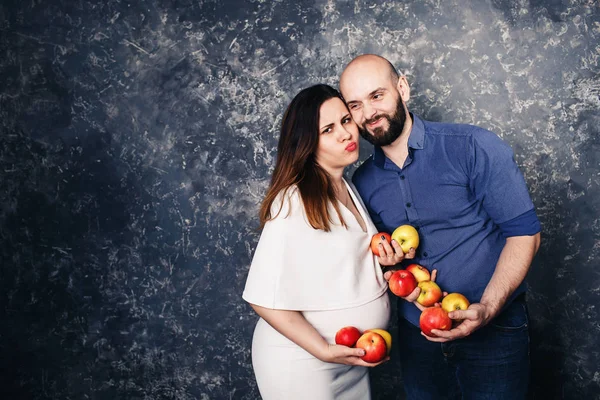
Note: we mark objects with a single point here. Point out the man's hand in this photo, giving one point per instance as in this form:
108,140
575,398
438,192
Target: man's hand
511,269
474,317
392,255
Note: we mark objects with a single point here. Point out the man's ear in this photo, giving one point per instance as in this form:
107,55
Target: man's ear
403,88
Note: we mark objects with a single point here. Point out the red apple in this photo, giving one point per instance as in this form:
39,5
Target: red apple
347,336
421,273
434,318
377,238
386,336
407,237
374,346
402,283
430,293
455,301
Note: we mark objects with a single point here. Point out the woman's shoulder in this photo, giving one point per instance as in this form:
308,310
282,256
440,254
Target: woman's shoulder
288,201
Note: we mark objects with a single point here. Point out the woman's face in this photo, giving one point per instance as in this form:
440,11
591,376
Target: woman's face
338,137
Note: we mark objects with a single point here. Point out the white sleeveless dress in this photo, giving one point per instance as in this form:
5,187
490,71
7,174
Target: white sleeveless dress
334,280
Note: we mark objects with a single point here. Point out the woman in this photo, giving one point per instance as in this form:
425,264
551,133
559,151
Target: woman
313,272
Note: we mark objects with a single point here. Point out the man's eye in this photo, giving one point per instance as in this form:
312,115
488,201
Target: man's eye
353,106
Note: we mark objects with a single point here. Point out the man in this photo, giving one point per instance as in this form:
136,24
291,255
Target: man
461,188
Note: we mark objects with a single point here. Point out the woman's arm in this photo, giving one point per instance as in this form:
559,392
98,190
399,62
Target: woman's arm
296,328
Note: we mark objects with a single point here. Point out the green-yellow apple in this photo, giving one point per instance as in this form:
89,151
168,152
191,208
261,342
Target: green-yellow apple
430,293
407,237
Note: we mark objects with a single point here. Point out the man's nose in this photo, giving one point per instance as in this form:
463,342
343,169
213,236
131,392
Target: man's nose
369,111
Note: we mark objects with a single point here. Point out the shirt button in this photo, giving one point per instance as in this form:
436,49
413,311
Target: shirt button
425,254
402,177
408,205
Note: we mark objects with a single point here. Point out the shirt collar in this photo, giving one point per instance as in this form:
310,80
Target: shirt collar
416,140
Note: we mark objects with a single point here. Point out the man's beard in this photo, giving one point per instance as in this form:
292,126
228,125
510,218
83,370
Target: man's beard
395,126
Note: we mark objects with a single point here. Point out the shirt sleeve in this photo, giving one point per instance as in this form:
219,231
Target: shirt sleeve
262,283
495,178
526,224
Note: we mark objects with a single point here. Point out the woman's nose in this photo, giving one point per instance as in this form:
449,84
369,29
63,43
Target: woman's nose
345,133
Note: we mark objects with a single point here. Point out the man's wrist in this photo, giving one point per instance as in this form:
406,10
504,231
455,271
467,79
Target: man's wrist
491,309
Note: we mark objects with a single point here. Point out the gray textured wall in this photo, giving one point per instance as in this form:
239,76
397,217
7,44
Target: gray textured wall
137,138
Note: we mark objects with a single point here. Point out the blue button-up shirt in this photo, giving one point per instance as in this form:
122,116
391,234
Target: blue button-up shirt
457,186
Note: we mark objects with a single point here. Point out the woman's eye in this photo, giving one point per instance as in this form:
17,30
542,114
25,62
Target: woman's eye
326,130
377,96
346,120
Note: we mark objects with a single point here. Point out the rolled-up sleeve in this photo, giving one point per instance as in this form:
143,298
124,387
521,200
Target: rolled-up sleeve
496,179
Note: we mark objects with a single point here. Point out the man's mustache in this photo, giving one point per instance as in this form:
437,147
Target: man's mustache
375,118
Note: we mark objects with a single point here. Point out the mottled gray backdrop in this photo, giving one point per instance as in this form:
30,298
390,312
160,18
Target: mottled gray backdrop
137,139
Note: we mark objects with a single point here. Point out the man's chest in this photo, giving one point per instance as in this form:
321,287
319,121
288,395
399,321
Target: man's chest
419,196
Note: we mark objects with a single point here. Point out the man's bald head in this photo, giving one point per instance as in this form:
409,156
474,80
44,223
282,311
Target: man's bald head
368,64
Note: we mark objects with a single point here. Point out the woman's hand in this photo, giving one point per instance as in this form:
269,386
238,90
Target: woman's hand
392,254
412,297
347,355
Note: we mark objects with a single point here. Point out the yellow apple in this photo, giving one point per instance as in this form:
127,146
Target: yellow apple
386,336
455,301
407,237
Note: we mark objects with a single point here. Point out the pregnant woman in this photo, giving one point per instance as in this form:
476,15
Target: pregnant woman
313,271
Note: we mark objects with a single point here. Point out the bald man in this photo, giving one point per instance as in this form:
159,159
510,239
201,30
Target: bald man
461,188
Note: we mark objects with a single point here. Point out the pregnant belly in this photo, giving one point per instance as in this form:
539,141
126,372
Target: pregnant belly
375,314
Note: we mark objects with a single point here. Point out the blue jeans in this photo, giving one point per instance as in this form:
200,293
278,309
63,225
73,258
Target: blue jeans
491,363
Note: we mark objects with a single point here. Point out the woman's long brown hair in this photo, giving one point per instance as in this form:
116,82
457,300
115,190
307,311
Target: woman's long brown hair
296,163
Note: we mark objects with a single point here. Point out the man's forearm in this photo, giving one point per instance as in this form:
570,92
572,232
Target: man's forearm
512,267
